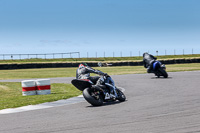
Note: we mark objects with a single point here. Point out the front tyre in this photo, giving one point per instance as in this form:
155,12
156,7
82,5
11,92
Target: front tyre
93,97
163,72
121,97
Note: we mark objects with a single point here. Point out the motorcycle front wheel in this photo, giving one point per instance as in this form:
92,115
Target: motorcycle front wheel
163,72
121,96
93,97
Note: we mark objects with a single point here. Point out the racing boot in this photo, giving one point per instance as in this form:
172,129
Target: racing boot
113,93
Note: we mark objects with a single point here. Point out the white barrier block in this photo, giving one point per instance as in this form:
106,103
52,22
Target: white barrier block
43,86
28,87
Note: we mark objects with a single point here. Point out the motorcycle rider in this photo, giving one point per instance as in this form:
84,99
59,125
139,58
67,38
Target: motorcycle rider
148,61
83,72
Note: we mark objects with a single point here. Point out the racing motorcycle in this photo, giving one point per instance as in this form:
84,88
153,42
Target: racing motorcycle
159,69
95,94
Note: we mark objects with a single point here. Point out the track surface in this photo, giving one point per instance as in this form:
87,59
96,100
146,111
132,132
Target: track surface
154,105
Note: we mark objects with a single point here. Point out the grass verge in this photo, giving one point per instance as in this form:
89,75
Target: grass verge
11,95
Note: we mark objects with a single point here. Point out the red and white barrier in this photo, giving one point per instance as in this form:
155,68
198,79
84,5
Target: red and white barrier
43,86
28,87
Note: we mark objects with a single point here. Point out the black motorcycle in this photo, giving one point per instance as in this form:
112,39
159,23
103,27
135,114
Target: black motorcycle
159,69
96,95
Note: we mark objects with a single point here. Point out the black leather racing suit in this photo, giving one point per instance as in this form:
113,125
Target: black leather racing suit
148,61
84,73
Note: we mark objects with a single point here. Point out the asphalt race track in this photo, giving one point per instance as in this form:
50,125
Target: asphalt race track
154,105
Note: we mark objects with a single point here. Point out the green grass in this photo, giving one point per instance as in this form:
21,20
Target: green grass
183,67
11,95
102,59
37,73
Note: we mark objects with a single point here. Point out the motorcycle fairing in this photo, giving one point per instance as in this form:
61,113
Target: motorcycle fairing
156,65
163,66
81,84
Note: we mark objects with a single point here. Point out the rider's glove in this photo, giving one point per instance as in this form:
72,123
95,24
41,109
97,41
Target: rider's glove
105,74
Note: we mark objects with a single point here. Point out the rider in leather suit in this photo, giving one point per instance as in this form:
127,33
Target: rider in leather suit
148,61
83,72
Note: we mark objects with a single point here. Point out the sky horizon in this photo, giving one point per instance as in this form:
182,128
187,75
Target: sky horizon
93,26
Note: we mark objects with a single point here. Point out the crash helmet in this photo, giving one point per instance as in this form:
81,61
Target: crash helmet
145,54
83,65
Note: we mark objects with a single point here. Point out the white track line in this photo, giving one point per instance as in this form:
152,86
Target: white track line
44,105
47,105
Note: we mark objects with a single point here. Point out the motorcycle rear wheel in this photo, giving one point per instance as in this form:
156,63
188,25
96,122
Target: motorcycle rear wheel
92,98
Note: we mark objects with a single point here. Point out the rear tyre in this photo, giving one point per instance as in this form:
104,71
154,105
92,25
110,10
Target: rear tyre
164,73
92,97
121,97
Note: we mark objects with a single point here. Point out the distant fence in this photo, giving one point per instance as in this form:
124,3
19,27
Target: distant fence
131,53
41,56
97,54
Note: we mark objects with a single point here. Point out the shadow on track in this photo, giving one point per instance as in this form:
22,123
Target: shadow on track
107,104
161,78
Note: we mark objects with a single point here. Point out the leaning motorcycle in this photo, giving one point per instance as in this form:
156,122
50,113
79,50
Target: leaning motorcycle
159,69
96,95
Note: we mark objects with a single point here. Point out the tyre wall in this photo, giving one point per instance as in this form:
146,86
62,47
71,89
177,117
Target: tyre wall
57,65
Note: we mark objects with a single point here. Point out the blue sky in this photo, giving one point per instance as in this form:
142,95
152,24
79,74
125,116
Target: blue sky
127,26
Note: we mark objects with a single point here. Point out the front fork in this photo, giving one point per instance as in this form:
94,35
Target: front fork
163,66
